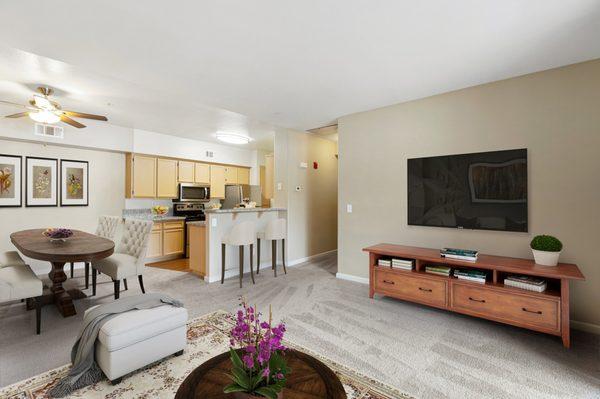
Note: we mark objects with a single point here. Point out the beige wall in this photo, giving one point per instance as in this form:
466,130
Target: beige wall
554,114
106,193
312,211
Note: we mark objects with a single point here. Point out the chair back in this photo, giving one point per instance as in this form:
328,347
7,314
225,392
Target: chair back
136,234
242,233
276,229
107,226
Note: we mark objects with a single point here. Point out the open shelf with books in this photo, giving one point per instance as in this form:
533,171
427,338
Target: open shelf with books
508,290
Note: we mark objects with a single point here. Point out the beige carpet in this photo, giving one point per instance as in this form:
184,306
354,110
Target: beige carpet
207,337
427,353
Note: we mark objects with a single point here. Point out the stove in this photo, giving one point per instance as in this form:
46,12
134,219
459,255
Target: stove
192,211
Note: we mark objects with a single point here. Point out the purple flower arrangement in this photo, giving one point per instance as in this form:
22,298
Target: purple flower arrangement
259,367
58,234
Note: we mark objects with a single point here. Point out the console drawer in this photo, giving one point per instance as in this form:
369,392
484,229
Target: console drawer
521,310
414,288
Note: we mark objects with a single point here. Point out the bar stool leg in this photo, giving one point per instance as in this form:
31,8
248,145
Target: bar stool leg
274,256
252,263
241,264
257,255
72,269
283,254
222,263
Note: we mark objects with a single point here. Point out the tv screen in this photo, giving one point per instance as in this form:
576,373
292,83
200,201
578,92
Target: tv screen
485,190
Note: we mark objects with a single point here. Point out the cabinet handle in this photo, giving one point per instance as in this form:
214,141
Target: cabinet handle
532,311
425,289
389,282
477,300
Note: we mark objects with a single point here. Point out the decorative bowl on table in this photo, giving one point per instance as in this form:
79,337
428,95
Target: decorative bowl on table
58,234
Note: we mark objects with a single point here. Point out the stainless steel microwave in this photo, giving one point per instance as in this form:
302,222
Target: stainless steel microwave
191,192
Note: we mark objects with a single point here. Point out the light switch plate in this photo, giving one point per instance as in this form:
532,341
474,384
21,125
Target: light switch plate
349,208
213,222
303,165
279,186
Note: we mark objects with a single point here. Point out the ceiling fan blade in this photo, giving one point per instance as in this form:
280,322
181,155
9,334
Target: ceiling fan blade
86,116
71,122
19,115
15,104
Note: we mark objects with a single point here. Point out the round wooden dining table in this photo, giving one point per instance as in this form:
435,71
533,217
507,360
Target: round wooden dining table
80,247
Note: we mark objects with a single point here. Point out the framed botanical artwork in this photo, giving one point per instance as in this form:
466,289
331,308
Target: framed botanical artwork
74,183
41,186
10,181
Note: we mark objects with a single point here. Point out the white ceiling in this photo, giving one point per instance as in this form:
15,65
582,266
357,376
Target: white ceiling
299,64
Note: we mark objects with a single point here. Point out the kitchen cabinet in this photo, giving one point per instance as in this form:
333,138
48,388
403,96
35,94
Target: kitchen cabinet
166,178
243,176
185,172
217,181
166,240
231,175
140,176
202,174
197,250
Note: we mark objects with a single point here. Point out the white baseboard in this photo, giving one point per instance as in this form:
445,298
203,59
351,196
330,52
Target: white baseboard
267,265
587,327
299,261
349,277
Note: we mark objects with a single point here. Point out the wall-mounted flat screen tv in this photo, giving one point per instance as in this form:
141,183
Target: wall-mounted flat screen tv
484,190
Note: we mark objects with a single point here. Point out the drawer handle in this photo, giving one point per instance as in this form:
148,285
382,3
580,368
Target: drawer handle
425,289
477,300
532,311
389,282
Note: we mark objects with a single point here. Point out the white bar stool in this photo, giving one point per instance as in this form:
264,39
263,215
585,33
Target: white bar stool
275,230
241,234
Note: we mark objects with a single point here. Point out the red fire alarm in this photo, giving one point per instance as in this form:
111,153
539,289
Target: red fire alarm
315,165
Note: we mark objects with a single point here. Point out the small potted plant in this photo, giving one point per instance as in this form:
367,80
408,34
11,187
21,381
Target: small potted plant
258,368
546,250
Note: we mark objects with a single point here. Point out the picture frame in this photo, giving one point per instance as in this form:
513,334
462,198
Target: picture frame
41,181
74,183
11,181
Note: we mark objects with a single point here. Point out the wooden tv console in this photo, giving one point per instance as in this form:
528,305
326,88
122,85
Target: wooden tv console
547,311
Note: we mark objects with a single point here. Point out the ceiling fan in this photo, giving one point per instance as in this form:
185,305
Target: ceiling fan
42,109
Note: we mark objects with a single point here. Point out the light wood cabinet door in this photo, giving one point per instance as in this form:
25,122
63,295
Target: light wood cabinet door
166,178
231,175
173,242
243,176
197,250
217,181
202,173
186,172
143,176
269,176
155,244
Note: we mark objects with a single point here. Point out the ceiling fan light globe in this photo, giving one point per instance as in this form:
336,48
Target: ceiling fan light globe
44,117
232,138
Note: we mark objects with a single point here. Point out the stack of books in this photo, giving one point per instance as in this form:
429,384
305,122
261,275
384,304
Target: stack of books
526,283
403,264
384,262
440,270
461,254
471,275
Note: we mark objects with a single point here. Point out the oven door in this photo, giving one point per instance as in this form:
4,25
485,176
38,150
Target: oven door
189,192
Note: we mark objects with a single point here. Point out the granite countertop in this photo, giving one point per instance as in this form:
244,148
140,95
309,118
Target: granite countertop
155,218
197,223
239,210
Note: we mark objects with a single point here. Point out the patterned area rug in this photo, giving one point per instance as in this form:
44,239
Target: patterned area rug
207,337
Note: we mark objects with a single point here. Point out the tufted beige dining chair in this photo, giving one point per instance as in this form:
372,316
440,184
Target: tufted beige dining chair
11,258
129,258
107,228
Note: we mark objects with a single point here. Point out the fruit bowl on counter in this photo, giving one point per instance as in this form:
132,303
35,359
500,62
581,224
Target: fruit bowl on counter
160,210
57,234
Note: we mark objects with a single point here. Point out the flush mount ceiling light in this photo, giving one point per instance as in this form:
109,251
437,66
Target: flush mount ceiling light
232,138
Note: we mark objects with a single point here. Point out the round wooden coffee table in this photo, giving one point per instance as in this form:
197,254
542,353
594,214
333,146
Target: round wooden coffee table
309,379
81,247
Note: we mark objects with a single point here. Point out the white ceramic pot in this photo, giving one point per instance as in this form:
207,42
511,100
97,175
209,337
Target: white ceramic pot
545,258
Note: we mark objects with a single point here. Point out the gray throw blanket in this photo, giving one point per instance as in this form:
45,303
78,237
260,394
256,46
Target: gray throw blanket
85,370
